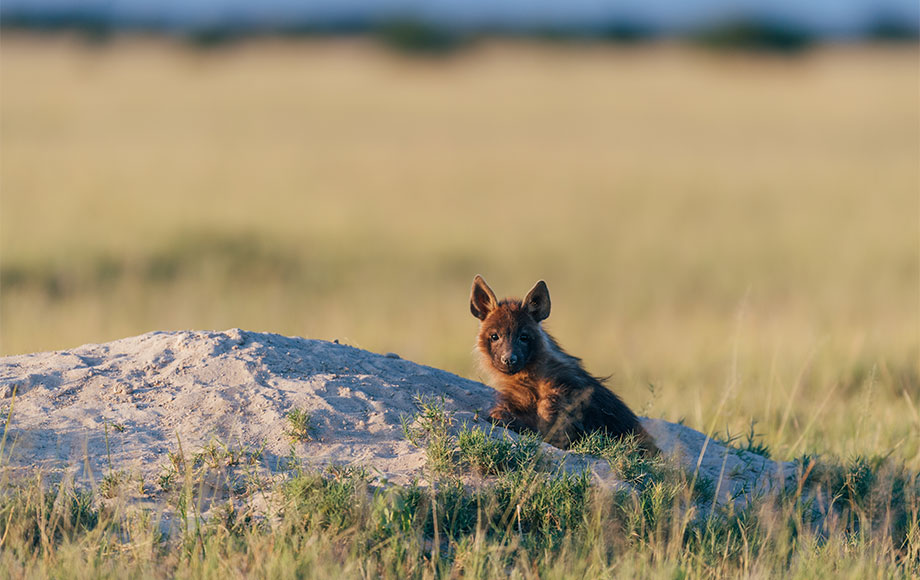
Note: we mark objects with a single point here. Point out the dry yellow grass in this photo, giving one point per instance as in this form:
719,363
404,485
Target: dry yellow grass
742,232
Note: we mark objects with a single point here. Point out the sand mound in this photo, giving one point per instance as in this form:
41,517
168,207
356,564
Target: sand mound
129,402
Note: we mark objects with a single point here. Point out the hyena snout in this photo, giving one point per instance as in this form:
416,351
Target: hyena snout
511,362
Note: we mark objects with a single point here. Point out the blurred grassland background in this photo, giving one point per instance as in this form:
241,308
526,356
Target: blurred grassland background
739,231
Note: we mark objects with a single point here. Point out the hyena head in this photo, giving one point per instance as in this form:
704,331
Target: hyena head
509,332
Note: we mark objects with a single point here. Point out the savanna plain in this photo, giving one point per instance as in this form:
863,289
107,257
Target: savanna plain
733,238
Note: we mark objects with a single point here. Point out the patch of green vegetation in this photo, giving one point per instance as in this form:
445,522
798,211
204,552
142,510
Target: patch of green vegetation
167,478
328,500
752,442
113,483
209,254
450,449
661,489
34,519
430,429
231,468
519,521
761,36
415,37
658,480
217,454
870,496
299,425
489,453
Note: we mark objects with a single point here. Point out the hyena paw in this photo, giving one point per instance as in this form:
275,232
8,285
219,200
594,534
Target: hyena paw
501,416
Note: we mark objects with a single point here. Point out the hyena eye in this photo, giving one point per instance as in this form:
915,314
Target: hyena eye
494,336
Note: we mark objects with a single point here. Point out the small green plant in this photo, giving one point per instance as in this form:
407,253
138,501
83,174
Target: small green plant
751,443
168,478
231,519
112,483
172,471
430,429
299,425
176,461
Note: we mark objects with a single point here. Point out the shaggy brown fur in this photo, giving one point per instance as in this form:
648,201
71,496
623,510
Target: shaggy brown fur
540,387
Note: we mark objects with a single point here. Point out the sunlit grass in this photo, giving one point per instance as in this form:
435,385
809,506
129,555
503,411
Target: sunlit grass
524,520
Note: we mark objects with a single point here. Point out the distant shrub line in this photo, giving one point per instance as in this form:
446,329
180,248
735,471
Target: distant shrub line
419,37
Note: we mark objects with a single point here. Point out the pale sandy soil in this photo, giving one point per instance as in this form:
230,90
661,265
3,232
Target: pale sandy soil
125,404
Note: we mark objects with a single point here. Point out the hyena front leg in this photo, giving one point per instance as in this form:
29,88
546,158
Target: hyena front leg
503,416
556,424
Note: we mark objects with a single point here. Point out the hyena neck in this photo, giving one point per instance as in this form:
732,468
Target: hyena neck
555,356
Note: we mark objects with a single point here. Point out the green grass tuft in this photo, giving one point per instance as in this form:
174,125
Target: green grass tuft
299,425
489,453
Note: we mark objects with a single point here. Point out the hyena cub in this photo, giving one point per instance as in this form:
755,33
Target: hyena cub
540,387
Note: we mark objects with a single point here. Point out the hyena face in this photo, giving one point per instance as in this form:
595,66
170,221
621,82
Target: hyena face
509,333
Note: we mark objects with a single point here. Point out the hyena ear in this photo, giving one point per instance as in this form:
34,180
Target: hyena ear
482,299
537,301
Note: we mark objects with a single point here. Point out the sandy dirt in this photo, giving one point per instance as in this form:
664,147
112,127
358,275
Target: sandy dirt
128,403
